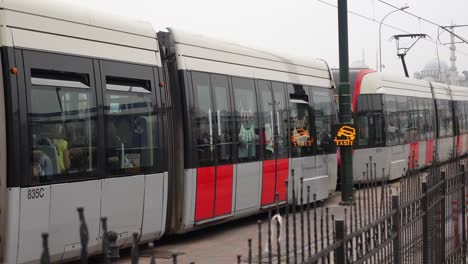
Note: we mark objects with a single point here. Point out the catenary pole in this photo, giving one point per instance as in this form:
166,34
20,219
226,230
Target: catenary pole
346,169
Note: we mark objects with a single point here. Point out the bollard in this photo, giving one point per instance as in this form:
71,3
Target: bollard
84,236
174,258
239,259
45,258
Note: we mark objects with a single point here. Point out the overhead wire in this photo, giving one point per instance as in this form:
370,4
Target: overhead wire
390,26
426,20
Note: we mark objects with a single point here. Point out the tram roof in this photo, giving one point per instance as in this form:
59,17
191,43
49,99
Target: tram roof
71,28
198,52
383,83
459,93
441,91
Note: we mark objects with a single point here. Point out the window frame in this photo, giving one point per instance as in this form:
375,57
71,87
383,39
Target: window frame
311,151
258,143
372,109
58,63
138,72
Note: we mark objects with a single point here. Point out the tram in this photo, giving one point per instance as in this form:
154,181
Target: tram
405,123
161,133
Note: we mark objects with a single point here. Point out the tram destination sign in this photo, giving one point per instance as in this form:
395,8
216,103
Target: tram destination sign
344,135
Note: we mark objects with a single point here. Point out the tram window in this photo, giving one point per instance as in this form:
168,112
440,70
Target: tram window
247,119
362,103
323,118
281,114
403,114
224,118
203,120
413,120
370,120
62,121
268,115
431,119
419,116
445,118
363,125
131,126
299,122
378,125
458,117
392,120
464,107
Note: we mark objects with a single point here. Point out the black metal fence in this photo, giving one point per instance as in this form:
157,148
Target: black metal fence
420,218
110,249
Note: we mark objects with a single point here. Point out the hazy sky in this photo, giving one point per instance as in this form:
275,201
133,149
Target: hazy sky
308,27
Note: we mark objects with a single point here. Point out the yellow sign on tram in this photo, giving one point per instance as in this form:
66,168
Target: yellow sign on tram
345,135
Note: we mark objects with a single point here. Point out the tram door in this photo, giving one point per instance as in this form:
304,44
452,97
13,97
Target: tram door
128,95
213,126
275,128
61,107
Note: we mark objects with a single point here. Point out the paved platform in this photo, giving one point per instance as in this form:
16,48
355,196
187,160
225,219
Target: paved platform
222,243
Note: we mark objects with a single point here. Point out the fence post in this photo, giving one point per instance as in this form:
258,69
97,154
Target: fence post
463,209
425,223
443,217
84,236
396,230
45,257
339,235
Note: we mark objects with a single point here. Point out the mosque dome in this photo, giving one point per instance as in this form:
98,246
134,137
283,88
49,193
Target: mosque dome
431,69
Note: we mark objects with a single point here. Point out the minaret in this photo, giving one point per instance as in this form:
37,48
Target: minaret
452,72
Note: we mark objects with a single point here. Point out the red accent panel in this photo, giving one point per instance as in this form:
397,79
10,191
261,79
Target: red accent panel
466,143
268,182
205,193
429,151
414,155
223,199
357,86
282,177
459,145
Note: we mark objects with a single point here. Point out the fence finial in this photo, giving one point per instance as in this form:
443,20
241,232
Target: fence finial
84,236
45,258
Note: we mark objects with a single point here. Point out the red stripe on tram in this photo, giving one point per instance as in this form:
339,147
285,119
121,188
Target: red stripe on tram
459,145
223,197
268,182
204,207
429,151
281,178
414,155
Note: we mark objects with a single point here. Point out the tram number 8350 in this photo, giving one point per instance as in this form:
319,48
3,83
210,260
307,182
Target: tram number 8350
35,193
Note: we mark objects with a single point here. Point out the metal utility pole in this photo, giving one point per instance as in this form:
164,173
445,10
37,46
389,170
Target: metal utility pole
380,34
402,51
346,169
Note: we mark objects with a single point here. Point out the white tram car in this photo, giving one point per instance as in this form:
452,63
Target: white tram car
405,123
